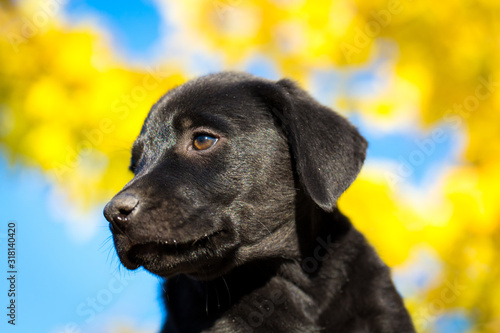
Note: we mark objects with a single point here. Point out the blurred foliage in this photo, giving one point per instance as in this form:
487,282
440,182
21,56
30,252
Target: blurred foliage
68,105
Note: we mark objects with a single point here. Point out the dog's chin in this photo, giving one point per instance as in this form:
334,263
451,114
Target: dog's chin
200,270
201,258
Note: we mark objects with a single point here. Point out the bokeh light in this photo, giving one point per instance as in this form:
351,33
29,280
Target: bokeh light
420,79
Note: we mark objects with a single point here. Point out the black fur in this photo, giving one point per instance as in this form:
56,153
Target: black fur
248,232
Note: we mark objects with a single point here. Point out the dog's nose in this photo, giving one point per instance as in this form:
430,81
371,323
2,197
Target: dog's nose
118,210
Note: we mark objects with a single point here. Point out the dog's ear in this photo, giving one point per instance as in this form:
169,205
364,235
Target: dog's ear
328,151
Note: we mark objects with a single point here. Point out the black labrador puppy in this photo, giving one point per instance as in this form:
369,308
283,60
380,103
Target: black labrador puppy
234,200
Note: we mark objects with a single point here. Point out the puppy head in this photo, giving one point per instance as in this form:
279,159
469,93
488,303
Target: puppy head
216,168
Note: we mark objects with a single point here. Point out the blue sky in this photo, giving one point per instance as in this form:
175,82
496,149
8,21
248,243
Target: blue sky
135,25
59,276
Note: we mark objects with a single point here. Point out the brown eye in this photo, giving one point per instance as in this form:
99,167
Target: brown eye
203,142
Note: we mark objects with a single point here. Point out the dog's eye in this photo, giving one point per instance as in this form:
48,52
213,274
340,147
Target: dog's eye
133,165
136,156
203,142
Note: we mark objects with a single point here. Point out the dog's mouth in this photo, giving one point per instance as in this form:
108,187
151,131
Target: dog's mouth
169,257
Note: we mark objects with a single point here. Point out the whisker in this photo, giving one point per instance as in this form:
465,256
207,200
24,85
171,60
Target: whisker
265,227
110,253
206,301
217,294
228,291
104,242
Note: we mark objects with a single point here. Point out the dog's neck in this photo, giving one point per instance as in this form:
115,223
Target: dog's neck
317,234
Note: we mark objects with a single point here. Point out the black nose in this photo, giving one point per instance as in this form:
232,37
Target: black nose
118,211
